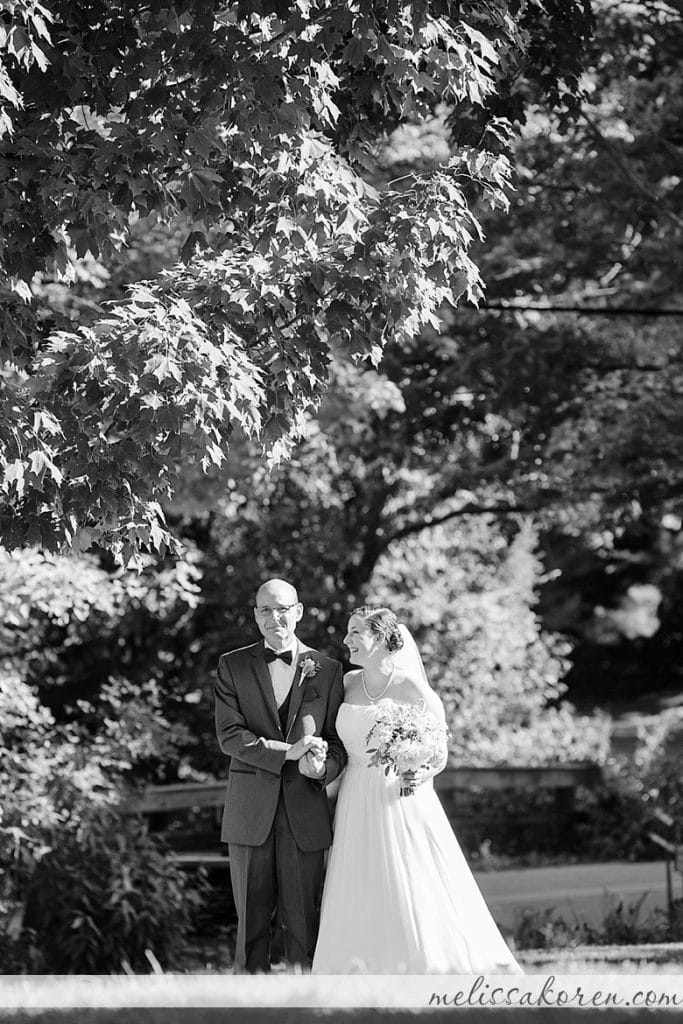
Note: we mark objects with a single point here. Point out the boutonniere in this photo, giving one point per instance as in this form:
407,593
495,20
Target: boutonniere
308,668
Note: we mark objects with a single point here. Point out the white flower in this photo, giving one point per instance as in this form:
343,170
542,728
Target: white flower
308,668
405,738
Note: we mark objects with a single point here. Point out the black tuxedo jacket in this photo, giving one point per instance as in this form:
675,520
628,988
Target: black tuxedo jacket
249,731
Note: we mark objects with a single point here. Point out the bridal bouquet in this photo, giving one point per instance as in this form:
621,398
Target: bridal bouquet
406,739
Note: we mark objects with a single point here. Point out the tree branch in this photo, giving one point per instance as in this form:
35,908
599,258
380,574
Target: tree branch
373,543
505,307
627,367
675,489
579,190
471,509
617,160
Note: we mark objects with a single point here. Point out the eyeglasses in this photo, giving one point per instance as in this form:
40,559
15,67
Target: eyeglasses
264,612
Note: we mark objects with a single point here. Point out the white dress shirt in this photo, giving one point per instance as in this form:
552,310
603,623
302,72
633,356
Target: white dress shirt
282,674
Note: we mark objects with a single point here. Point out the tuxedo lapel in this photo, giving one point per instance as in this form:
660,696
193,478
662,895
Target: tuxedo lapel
298,687
263,678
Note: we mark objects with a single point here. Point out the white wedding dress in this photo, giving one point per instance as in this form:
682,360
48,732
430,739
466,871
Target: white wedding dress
399,897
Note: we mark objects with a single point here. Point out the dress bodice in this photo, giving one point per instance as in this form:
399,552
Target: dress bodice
354,722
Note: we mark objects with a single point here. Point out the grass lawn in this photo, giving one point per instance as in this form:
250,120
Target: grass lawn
211,995
665,958
205,998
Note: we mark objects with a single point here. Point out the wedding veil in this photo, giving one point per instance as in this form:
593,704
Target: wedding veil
409,661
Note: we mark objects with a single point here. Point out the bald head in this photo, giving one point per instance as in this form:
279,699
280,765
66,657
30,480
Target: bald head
278,610
280,590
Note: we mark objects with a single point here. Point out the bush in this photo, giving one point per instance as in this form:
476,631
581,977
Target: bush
612,823
106,894
614,820
544,929
80,888
19,953
623,925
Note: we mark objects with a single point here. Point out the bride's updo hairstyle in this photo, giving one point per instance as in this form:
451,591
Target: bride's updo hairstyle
383,624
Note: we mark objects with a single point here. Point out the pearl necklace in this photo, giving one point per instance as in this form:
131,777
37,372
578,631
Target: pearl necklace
382,692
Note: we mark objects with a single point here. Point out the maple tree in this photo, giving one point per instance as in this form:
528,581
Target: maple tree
259,125
573,417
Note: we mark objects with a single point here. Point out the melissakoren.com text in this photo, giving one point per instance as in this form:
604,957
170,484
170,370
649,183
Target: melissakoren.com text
586,990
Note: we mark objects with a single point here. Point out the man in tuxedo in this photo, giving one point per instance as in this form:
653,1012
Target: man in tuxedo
276,706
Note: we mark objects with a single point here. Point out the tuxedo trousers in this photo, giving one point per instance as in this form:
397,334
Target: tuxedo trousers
276,878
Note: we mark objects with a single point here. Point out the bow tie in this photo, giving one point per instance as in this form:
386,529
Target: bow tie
286,656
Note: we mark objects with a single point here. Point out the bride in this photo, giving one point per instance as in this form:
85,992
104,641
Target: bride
399,896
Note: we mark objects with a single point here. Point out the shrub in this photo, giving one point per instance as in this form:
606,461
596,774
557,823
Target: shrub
89,889
622,925
105,894
19,954
614,820
544,929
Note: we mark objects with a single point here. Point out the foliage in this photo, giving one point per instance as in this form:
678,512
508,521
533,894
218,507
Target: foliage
571,416
27,814
333,519
257,123
87,887
571,419
544,929
593,401
50,779
622,924
105,895
95,646
530,405
348,518
468,592
612,823
72,734
615,819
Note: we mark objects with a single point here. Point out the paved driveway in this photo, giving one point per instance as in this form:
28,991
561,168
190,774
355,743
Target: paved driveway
583,891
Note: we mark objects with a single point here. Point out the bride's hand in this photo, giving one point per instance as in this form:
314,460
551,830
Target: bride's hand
412,778
406,782
302,746
312,764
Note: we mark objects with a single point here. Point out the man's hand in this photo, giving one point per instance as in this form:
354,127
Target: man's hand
302,746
